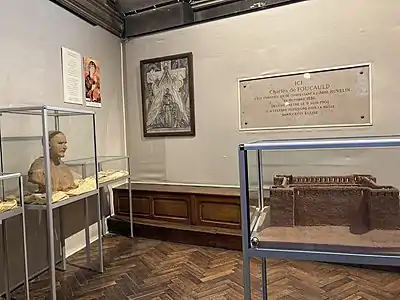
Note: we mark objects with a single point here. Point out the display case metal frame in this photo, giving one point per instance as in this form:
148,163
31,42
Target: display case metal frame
4,217
82,163
250,243
45,111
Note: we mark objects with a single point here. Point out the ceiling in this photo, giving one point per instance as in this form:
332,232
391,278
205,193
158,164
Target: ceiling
149,16
132,18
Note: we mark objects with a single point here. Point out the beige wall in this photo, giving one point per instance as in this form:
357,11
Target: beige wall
309,35
31,35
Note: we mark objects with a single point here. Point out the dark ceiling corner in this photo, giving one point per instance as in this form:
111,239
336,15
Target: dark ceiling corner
163,15
103,13
133,18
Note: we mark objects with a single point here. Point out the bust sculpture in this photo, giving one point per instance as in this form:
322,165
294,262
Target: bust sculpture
61,176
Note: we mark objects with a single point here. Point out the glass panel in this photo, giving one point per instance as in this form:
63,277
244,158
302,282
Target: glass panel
254,202
10,194
111,168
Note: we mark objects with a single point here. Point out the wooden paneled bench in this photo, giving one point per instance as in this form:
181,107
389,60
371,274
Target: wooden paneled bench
205,216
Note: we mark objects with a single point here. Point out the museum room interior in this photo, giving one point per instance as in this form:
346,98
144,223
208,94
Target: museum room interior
199,149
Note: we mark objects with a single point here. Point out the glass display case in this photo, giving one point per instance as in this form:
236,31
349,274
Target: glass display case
112,170
12,205
36,140
331,200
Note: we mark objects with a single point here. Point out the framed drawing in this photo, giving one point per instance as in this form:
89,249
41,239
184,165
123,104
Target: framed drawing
168,96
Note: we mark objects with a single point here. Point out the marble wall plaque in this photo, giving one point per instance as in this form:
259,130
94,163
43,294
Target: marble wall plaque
318,98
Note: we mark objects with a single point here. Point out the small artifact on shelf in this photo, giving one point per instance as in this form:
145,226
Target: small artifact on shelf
110,175
61,176
40,198
84,185
8,203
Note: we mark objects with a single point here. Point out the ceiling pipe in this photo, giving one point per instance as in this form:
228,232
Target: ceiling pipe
201,4
153,7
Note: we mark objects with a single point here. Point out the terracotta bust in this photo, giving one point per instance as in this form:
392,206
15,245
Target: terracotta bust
61,176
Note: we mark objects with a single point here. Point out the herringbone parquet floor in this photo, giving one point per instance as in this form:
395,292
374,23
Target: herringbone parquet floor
153,270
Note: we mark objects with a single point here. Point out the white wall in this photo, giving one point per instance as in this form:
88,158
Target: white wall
32,33
309,35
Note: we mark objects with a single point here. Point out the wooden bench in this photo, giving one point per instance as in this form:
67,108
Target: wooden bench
205,216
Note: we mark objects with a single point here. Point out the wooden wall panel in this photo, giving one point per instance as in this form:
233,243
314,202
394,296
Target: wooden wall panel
171,208
218,211
211,214
142,206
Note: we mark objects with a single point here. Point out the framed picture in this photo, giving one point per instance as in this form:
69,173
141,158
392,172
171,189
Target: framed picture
167,96
92,82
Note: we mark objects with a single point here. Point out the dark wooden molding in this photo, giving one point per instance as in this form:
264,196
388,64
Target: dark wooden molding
103,13
203,216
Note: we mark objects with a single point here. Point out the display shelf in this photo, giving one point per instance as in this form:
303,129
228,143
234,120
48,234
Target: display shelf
61,203
111,172
51,151
341,219
10,213
19,210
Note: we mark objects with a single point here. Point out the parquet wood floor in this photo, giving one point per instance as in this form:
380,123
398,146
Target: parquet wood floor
154,270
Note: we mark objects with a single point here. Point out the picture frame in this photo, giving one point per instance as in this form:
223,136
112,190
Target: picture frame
167,92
